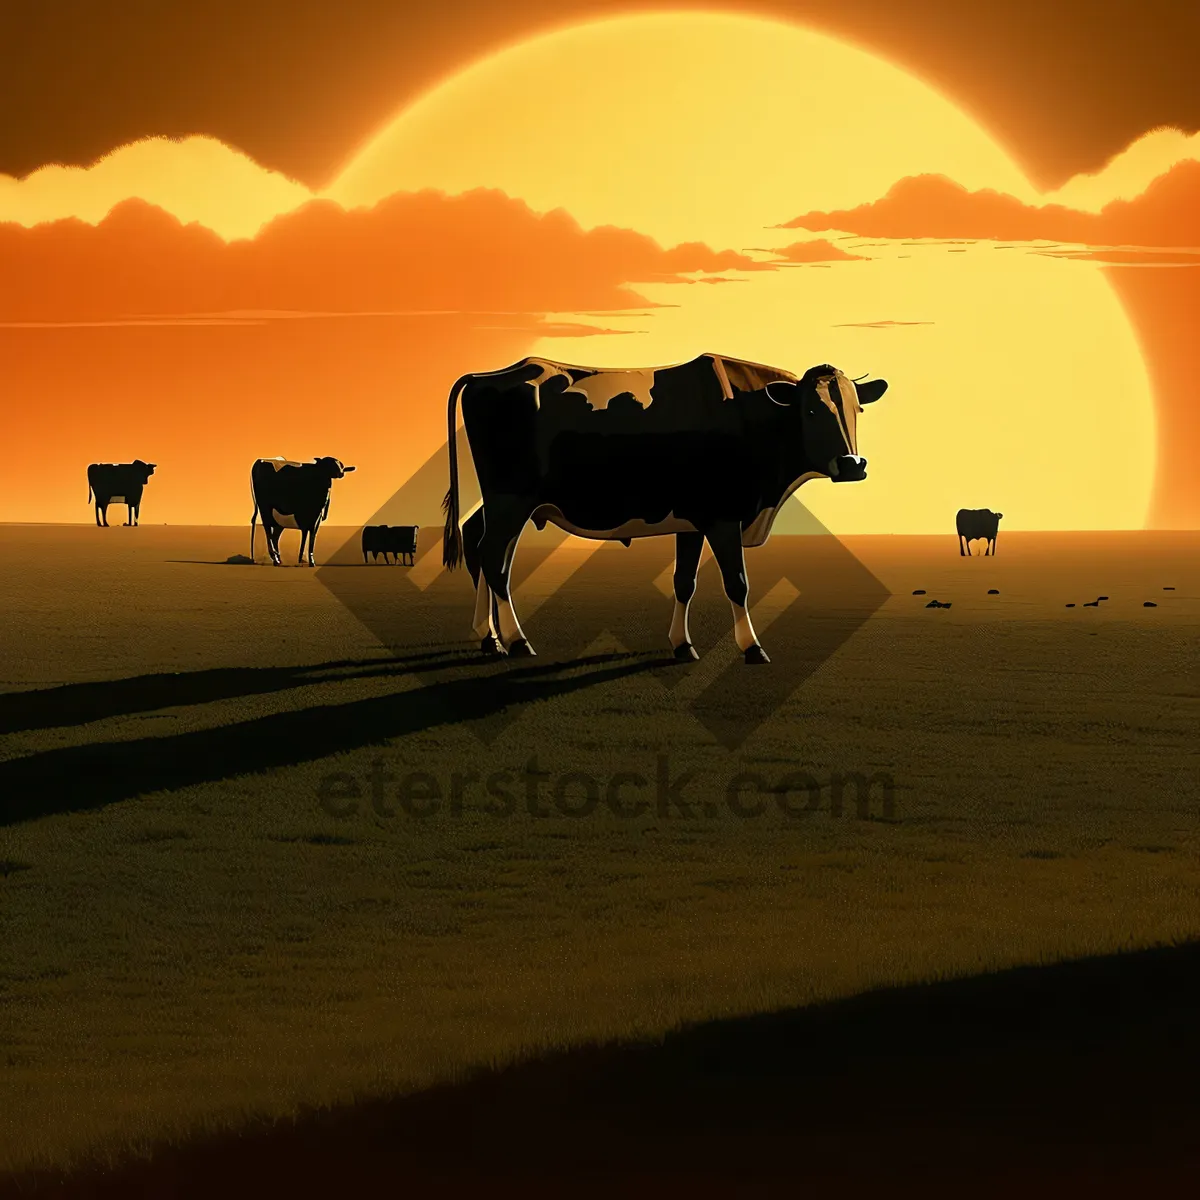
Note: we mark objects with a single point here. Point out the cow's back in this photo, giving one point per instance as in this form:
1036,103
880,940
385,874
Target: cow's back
287,487
115,480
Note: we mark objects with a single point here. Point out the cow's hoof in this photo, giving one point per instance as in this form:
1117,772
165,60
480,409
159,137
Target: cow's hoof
686,653
521,649
491,646
755,655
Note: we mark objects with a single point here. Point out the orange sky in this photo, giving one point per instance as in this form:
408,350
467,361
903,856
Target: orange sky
326,334
144,337
201,344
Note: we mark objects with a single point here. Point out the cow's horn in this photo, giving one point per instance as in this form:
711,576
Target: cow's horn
860,378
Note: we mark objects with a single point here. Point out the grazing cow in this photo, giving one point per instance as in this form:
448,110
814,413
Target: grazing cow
292,495
706,449
118,483
977,523
398,540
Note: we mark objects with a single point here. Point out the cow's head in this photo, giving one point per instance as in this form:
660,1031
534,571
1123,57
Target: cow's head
827,405
144,469
334,467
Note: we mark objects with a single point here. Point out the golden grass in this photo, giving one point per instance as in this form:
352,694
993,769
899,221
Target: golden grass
189,959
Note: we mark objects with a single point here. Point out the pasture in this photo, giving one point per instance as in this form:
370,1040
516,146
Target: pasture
249,863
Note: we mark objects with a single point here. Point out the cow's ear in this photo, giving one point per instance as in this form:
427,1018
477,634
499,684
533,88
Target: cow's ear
347,470
868,393
782,392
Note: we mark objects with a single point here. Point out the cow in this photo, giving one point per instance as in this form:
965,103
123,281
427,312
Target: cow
292,495
708,449
398,540
118,483
975,523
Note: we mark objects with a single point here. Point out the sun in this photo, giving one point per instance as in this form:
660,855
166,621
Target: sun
1016,380
686,126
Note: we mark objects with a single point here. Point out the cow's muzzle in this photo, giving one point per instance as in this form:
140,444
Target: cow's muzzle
847,468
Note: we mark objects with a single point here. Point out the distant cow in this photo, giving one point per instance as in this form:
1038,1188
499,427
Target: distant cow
977,523
118,483
400,541
292,495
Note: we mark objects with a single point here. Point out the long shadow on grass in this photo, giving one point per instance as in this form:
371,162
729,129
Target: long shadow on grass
79,703
77,778
1071,1079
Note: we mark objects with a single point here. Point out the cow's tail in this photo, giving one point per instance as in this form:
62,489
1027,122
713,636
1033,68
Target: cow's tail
452,543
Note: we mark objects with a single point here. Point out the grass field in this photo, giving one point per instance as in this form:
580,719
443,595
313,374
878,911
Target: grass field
209,916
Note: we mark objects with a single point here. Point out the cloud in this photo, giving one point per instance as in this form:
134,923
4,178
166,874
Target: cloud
1128,174
193,178
878,324
818,251
1165,215
479,252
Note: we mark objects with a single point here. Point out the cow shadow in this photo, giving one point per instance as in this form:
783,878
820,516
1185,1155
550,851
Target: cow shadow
87,777
80,703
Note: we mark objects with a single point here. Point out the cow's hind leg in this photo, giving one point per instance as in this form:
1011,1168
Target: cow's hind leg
482,623
725,538
506,517
688,547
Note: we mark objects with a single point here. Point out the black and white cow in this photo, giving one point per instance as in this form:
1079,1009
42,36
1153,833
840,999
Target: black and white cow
118,483
707,449
400,541
292,495
975,523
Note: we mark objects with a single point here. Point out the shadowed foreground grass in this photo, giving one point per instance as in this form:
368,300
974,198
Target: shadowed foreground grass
1047,1079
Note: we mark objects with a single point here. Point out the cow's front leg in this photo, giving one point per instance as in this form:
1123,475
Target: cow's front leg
688,547
312,544
506,517
725,538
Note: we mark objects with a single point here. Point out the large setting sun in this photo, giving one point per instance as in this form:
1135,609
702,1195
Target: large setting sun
1016,378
